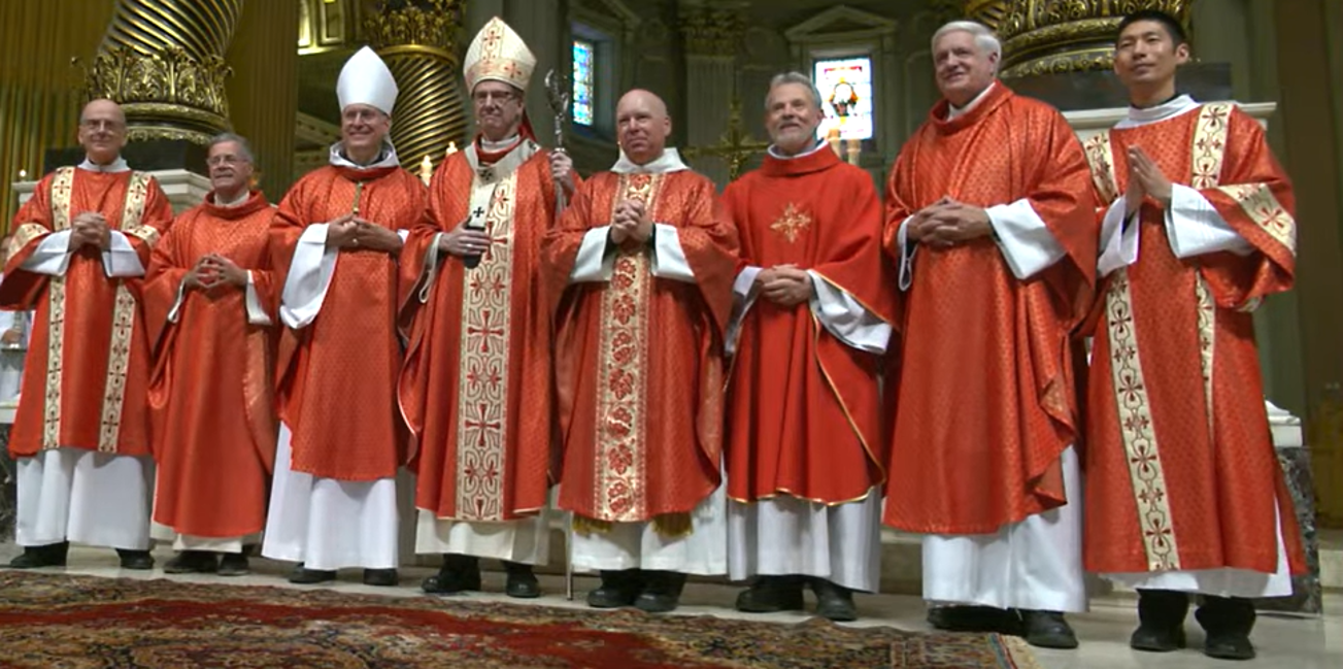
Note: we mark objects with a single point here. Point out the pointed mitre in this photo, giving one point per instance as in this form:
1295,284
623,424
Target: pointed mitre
498,54
366,80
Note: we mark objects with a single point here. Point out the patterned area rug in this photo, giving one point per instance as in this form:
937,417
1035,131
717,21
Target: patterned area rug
73,622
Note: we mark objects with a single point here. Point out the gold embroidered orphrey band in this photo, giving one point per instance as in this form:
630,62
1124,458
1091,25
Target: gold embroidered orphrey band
482,387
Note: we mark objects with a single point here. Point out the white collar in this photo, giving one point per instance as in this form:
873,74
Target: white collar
504,166
243,197
495,147
953,111
669,161
118,165
1167,110
774,151
385,159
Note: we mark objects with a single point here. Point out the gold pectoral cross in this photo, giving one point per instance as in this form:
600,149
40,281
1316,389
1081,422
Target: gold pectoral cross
358,188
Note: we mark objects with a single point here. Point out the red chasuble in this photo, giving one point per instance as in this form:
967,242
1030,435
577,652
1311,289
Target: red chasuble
804,412
336,377
88,361
211,391
639,358
1181,470
477,388
987,400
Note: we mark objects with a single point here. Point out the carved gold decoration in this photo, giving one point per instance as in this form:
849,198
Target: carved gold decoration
418,41
735,146
164,63
1057,36
712,30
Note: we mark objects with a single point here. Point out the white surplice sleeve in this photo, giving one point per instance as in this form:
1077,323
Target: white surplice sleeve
309,277
593,264
846,318
1195,228
120,258
1119,243
744,298
52,255
1023,238
669,261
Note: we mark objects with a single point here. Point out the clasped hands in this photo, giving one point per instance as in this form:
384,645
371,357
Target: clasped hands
784,285
947,222
214,270
351,232
630,223
90,229
1144,178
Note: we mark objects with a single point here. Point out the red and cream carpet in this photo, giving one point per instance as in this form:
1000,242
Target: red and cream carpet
55,620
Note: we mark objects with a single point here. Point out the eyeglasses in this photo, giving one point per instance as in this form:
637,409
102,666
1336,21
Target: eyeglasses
482,97
224,160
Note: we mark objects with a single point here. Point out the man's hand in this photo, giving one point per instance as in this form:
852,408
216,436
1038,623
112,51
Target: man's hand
918,223
224,271
628,223
341,232
89,228
201,277
375,237
1145,171
952,223
786,286
562,170
464,241
1133,192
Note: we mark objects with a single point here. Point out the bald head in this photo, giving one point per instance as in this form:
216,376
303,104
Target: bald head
102,131
642,126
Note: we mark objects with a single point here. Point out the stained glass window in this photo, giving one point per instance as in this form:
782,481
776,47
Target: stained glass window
846,96
585,54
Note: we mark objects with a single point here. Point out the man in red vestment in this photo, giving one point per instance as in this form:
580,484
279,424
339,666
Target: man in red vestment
990,215
639,370
1184,491
210,305
81,432
338,233
814,308
477,387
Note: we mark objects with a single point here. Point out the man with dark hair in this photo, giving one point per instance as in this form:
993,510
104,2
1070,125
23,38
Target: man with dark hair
1173,28
1184,492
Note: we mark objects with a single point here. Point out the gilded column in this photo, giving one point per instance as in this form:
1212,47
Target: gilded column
418,41
711,34
164,62
263,91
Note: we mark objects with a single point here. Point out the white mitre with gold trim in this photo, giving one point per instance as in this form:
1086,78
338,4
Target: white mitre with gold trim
498,54
366,80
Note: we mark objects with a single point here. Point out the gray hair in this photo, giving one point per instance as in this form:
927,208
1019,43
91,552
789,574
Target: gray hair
225,137
984,38
793,78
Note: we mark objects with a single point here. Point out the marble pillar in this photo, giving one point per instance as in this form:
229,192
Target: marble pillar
1294,458
712,33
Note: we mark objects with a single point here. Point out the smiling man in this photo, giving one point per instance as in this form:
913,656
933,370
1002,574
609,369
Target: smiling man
989,213
210,304
338,234
814,307
1199,228
483,467
81,433
648,266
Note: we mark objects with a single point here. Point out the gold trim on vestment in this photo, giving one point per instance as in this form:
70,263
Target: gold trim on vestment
667,525
1207,336
818,328
1141,451
622,365
62,186
24,234
482,380
123,325
791,223
1263,208
1214,120
1101,157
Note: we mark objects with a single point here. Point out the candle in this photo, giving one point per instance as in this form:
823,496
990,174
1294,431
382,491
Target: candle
853,147
426,169
833,138
452,148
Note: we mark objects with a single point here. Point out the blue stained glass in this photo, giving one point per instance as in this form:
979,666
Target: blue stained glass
584,54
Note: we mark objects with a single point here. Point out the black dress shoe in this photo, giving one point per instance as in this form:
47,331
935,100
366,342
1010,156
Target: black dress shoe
661,592
1047,629
1161,615
304,576
234,564
381,577
522,582
36,557
139,560
1228,622
770,594
459,573
618,588
833,601
192,562
981,619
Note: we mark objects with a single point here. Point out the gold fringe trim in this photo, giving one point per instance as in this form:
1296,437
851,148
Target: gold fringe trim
669,525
